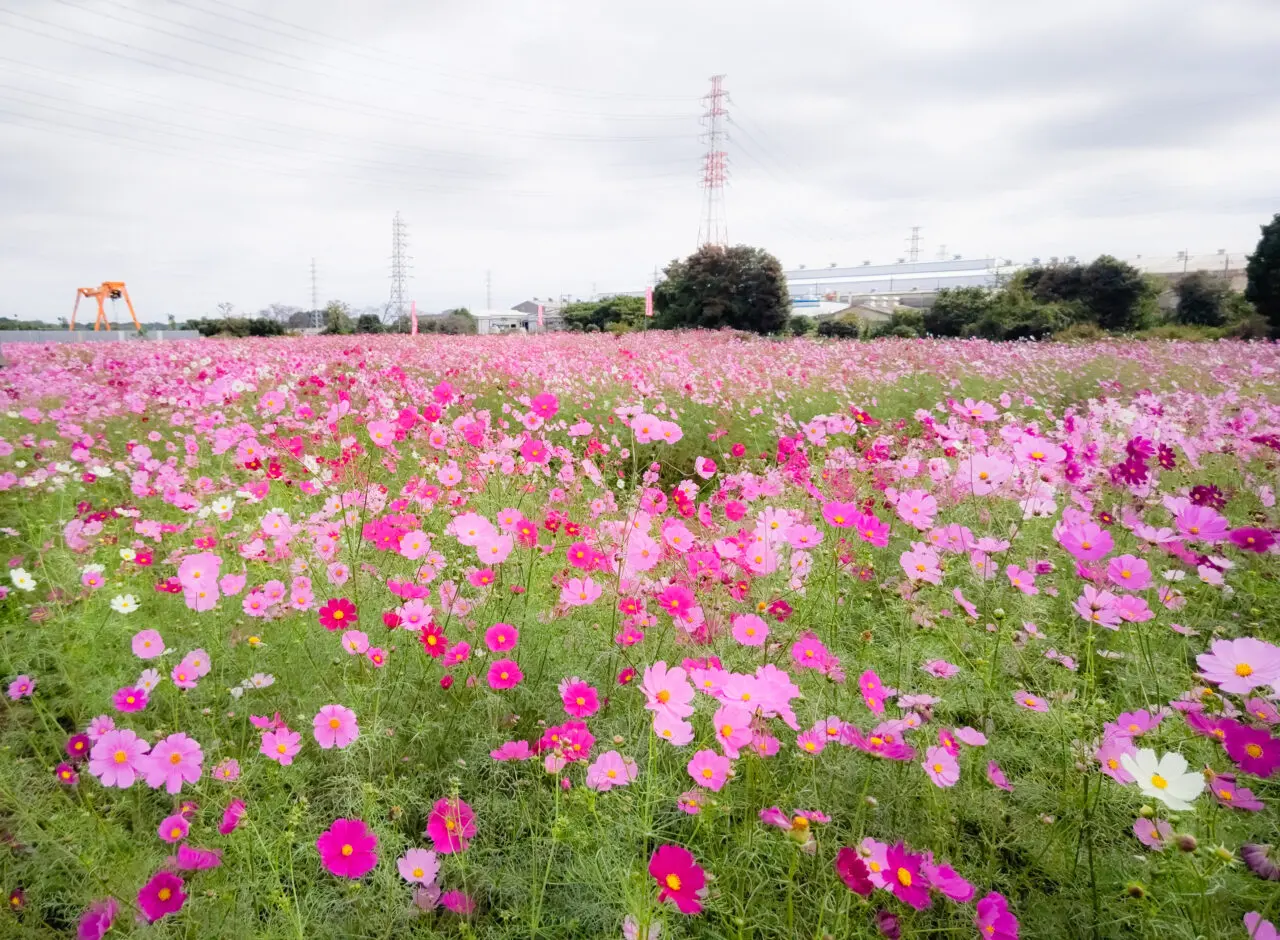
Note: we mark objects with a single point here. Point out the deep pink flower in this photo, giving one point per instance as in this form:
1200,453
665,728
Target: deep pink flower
161,895
853,871
709,770
840,515
189,858
504,674
451,826
231,817
335,726
679,878
173,828
97,920
580,699
994,922
904,877
997,777
1129,573
130,699
501,637
348,848
175,760
459,902
1255,751
337,614
1252,539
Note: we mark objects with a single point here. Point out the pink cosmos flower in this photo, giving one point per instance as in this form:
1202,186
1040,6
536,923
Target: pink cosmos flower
501,637
377,656
610,770
512,750
161,895
97,919
1258,928
504,674
118,758
709,770
1201,524
580,592
1086,541
451,826
355,642
147,644
941,766
1023,580
941,669
1029,701
750,630
667,691
917,508
1098,607
130,699
1240,666
335,726
193,859
348,848
904,877
680,879
173,761
1254,750
970,736
1154,834
21,687
1129,573
997,778
994,922
872,530
947,881
840,515
673,730
337,614
732,725
382,433
1109,754
984,474
231,817
173,828
419,866
580,699
872,691
281,745
921,564
676,600
1228,793
1133,609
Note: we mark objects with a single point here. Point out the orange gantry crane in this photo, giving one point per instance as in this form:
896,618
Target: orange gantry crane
112,289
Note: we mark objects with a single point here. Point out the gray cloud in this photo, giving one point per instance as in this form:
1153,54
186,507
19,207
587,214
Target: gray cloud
206,151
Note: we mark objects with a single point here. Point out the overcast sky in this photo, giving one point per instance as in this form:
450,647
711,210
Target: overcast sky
206,150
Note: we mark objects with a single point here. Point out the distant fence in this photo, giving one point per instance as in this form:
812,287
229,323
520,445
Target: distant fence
88,336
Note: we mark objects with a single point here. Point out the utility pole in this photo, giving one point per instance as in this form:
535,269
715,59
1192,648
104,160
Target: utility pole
714,228
400,264
315,294
488,290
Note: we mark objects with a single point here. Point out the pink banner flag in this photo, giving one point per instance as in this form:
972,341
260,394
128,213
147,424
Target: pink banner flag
540,320
648,301
413,317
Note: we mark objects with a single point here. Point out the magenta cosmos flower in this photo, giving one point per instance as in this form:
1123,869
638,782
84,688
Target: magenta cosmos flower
709,770
97,920
904,878
501,637
337,614
1255,751
173,828
130,699
840,515
679,878
504,674
580,699
348,848
451,826
853,871
231,817
173,761
161,895
335,726
994,920
118,758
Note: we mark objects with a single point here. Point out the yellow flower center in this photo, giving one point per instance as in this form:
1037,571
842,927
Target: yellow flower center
904,878
280,748
175,758
450,825
611,774
1244,669
707,773
120,757
664,696
1159,782
580,700
937,768
1253,750
673,881
175,833
418,873
164,894
338,615
334,723
347,849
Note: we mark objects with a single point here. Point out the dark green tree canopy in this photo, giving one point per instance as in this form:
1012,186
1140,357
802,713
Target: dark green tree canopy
1263,271
742,288
1202,299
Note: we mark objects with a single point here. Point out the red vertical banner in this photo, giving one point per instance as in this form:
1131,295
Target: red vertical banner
648,301
541,323
413,319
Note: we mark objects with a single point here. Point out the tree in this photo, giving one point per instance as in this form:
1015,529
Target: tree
337,318
368,323
1202,300
956,310
1117,294
624,313
1263,271
742,288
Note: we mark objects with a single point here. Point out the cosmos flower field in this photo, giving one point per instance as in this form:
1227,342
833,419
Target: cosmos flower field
653,636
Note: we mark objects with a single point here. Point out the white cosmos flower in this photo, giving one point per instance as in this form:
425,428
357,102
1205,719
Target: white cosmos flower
124,603
128,554
149,679
1165,778
21,580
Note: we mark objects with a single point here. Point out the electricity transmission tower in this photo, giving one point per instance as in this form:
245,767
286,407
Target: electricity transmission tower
400,265
714,227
